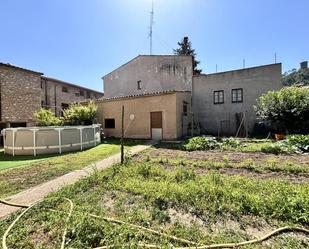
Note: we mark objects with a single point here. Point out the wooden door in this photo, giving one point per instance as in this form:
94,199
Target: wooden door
156,125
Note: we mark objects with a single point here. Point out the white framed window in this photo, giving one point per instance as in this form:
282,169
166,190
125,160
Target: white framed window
237,95
219,97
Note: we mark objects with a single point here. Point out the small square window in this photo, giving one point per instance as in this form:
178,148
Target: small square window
237,95
65,89
219,97
77,94
109,123
139,85
64,106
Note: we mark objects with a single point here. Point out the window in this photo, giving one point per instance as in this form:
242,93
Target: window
185,109
42,104
139,87
88,95
109,123
64,106
77,94
65,89
81,93
218,97
237,95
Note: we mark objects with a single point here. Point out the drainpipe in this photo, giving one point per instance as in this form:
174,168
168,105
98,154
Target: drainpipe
45,81
55,99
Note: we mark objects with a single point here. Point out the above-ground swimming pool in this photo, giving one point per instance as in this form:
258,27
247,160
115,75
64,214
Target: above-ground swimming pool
48,140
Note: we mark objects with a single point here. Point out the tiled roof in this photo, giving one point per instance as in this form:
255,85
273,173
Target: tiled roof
148,94
20,68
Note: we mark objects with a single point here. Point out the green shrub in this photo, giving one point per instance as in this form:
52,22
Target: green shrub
299,141
79,114
281,147
286,110
201,143
230,142
45,117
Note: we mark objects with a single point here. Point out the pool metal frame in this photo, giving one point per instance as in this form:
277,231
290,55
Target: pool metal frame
82,144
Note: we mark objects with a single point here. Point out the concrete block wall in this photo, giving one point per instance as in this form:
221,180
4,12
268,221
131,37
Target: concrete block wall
221,118
155,72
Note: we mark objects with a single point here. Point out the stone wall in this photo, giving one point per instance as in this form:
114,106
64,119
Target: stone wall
55,93
20,95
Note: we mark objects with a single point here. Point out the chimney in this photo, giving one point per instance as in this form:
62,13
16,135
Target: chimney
304,65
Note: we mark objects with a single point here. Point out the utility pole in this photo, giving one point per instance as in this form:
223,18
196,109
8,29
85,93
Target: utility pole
244,63
150,28
122,135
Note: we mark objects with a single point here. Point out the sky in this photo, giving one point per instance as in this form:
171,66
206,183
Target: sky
79,41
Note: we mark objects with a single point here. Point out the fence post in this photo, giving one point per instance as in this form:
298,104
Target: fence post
94,137
4,135
81,138
13,149
34,143
59,136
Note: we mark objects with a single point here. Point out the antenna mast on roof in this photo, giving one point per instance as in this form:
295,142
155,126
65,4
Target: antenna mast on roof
150,27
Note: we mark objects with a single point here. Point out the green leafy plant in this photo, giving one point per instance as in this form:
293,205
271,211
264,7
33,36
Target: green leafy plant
300,141
286,110
46,117
281,147
201,143
230,142
79,114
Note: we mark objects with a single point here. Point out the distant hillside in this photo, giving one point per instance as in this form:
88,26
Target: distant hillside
298,77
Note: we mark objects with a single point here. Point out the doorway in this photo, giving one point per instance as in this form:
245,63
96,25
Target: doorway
156,125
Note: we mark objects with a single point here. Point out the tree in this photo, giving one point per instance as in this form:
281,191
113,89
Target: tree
79,114
185,48
45,117
286,110
296,77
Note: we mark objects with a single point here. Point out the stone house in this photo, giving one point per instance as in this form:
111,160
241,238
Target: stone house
24,91
219,104
57,95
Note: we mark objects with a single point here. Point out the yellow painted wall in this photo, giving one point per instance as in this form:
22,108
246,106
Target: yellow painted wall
141,108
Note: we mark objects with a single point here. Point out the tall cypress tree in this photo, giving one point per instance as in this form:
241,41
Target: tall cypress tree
185,48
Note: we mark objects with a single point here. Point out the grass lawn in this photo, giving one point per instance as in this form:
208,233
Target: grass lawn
181,194
21,172
8,161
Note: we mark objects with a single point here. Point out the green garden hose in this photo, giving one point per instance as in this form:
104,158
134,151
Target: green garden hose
227,245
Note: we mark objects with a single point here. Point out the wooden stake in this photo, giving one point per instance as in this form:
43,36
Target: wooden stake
122,135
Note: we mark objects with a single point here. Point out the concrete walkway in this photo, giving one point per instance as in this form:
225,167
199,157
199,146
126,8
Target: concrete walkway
38,192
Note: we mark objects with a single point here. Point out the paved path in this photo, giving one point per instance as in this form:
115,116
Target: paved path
38,192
